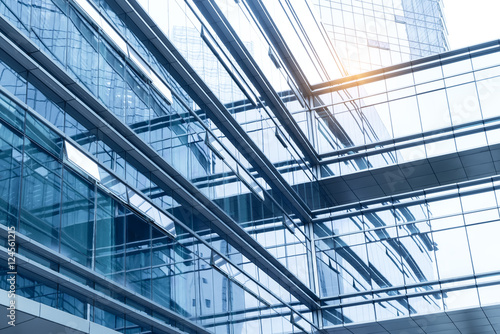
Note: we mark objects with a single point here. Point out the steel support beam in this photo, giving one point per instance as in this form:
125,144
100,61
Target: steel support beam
239,52
38,64
275,37
187,77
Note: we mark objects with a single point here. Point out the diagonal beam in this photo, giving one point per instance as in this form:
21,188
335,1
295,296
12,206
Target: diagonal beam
32,59
187,77
239,52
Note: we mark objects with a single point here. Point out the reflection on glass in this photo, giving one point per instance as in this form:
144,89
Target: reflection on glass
77,219
358,313
426,304
82,161
110,238
459,299
41,199
10,176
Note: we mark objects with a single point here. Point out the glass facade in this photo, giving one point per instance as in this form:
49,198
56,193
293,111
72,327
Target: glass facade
370,34
411,245
208,167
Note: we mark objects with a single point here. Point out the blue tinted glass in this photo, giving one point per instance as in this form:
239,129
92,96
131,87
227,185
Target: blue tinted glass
41,197
71,304
11,113
110,237
77,219
82,60
104,316
12,81
10,175
38,101
49,27
43,135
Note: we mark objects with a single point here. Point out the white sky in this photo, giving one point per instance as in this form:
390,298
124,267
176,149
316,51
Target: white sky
472,21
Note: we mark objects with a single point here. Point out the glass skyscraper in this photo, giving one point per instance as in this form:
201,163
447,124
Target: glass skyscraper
370,34
215,166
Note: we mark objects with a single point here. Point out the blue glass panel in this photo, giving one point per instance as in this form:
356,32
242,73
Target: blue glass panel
44,105
18,12
418,258
332,317
49,28
80,130
426,304
138,254
77,219
162,253
74,305
11,113
82,58
43,135
13,80
41,196
391,309
110,238
111,82
38,289
328,275
111,319
10,176
358,313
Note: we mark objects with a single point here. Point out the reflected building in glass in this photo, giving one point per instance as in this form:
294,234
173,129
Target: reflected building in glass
207,166
370,34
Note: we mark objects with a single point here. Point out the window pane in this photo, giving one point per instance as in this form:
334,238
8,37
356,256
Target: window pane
43,135
358,313
444,207
452,253
41,199
110,237
434,111
405,117
418,258
484,246
386,262
464,103
460,299
489,96
77,220
10,176
426,304
489,294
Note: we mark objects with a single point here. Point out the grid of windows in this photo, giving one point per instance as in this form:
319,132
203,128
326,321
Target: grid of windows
70,214
410,256
411,116
193,167
370,34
